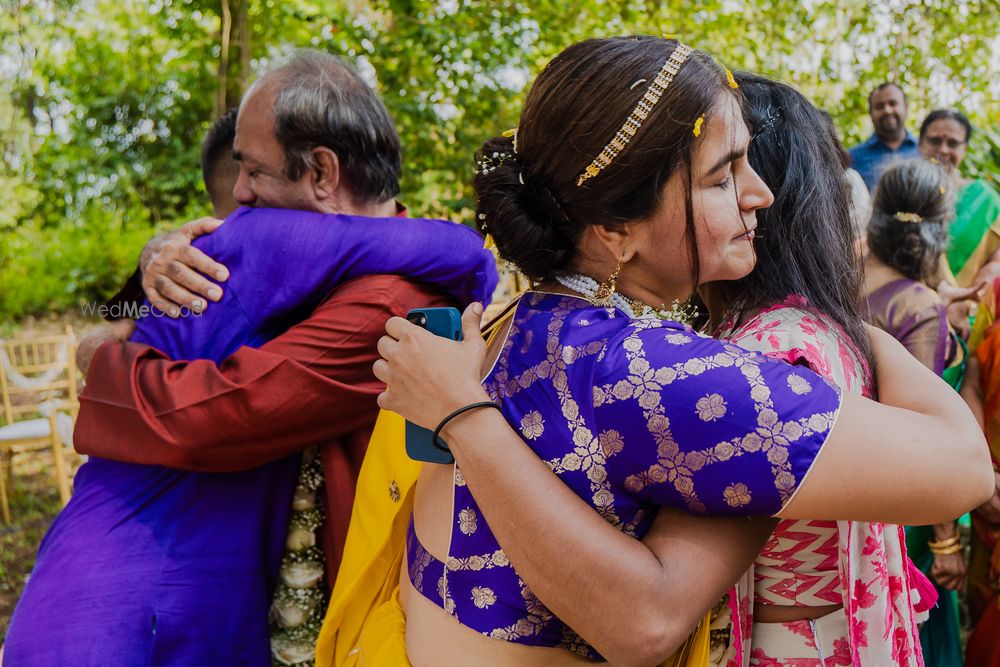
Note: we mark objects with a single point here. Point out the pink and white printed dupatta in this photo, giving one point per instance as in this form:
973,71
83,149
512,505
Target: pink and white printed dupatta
885,596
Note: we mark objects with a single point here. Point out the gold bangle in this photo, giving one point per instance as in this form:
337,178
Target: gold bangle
946,542
945,551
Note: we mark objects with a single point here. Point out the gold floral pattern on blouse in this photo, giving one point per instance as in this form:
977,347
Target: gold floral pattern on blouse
711,407
442,587
611,442
678,467
799,384
574,643
532,425
529,338
448,603
467,521
476,562
588,454
737,495
483,597
418,566
538,616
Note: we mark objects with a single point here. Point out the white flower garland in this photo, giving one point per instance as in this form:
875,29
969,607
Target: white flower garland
300,599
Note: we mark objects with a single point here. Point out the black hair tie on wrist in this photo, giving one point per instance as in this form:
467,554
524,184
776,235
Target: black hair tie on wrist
438,442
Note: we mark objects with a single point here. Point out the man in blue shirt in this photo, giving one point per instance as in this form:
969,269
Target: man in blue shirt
887,108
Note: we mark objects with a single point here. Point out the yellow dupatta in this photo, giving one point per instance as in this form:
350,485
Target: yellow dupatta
694,651
364,623
364,603
368,578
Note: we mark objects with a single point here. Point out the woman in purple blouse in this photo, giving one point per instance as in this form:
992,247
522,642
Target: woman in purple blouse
614,209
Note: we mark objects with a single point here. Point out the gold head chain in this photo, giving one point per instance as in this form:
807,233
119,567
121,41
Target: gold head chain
639,113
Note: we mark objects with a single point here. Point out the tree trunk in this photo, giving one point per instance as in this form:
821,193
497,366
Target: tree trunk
219,105
243,41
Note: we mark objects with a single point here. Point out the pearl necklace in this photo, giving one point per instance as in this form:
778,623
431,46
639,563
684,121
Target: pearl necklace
588,288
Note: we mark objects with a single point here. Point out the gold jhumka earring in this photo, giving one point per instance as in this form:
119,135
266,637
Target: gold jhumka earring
606,290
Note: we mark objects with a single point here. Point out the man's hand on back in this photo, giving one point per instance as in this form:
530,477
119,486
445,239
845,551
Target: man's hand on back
173,271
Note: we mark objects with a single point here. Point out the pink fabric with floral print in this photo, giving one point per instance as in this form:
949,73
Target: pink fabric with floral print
874,581
820,643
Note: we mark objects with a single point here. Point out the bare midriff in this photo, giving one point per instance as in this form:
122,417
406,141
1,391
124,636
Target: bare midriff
776,613
435,639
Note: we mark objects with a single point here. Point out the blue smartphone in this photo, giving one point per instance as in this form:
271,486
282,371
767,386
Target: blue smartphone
445,322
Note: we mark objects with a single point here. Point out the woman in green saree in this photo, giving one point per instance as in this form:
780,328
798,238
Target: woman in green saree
974,251
973,259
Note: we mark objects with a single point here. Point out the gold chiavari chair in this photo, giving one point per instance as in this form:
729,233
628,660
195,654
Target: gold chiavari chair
38,387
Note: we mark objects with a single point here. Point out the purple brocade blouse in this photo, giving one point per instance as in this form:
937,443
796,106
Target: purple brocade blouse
630,414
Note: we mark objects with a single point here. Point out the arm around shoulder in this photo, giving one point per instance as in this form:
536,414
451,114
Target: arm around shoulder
884,461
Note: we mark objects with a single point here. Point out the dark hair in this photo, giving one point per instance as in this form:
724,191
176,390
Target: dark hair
529,197
911,188
883,86
217,144
321,100
806,242
939,114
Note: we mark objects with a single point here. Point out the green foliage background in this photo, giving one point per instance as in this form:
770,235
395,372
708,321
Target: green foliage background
104,102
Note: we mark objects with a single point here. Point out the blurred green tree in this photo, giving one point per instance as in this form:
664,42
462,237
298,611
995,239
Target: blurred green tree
104,102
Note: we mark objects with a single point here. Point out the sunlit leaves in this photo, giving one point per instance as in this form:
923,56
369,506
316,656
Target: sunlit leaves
104,102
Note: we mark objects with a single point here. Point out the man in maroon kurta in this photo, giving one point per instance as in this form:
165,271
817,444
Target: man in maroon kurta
312,385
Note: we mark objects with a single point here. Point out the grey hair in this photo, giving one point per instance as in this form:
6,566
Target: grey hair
918,188
321,100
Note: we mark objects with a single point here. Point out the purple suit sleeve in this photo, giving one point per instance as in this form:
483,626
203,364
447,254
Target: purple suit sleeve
283,263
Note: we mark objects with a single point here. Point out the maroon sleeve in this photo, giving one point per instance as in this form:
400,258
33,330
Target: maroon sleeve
307,386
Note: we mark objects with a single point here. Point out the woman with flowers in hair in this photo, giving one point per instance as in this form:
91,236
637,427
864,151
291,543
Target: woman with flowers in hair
907,237
615,210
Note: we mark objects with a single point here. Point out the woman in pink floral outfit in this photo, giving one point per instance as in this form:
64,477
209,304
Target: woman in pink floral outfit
822,593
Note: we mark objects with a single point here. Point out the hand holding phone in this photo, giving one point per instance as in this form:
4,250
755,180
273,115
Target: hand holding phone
445,322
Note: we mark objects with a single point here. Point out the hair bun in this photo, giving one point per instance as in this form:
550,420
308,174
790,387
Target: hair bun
914,191
910,211
521,213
